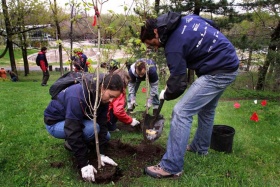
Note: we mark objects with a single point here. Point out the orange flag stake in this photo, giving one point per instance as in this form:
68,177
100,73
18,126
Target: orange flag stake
263,103
94,21
236,105
254,117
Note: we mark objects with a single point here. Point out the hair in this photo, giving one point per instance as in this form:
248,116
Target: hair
147,30
43,49
124,75
139,65
113,82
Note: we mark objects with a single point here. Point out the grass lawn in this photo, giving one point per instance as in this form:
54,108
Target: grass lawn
26,149
5,61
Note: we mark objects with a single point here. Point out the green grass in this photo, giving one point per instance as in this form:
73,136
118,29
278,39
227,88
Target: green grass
5,61
26,149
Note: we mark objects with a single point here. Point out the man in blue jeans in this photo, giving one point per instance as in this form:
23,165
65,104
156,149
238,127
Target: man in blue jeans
195,43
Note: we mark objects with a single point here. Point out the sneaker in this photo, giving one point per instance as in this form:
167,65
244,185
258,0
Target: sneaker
157,172
44,85
67,146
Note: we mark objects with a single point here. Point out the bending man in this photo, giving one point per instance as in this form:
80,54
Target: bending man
195,43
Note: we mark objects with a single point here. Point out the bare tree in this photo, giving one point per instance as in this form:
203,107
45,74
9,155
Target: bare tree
58,32
9,33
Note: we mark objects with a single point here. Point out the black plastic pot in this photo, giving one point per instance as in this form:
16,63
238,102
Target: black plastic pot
222,138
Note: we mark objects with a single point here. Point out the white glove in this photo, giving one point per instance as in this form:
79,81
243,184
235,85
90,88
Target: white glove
88,173
161,95
134,122
107,160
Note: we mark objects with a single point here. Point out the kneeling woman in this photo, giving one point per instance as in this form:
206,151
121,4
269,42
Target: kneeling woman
69,117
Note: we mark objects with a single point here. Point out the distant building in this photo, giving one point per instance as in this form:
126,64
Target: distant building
37,34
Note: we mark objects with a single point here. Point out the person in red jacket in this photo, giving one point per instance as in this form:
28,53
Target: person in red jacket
116,109
44,65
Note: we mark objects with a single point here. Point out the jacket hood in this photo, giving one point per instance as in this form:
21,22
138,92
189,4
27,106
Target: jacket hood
166,23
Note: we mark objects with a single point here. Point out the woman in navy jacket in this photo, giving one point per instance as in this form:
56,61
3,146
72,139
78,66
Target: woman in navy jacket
69,117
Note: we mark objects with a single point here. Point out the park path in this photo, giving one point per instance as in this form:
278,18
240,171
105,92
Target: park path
53,55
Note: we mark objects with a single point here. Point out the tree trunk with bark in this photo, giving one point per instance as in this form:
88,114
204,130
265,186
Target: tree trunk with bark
9,36
157,6
274,42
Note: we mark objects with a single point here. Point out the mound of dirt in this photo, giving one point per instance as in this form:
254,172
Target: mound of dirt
131,159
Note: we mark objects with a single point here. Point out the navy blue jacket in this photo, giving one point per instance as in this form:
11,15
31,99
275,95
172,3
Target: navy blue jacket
193,42
71,106
152,73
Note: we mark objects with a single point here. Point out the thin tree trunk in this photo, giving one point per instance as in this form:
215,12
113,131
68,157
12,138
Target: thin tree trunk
24,55
71,37
157,6
9,36
197,7
274,42
249,59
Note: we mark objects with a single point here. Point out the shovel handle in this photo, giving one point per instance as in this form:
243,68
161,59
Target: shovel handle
159,108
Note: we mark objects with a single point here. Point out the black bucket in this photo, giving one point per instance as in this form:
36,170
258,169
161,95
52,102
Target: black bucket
222,138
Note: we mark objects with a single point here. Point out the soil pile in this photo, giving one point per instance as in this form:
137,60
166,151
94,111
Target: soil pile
131,159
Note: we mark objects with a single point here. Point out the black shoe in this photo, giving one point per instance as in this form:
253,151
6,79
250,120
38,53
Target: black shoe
67,146
44,85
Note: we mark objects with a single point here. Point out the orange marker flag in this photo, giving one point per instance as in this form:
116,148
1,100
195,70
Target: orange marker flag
236,105
254,117
94,21
263,103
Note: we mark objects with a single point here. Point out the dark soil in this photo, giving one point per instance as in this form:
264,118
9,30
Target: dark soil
131,159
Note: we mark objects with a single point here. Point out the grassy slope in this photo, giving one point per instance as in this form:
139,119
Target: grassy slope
5,61
26,149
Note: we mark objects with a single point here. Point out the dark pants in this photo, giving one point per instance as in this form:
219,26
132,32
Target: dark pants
46,77
112,123
14,79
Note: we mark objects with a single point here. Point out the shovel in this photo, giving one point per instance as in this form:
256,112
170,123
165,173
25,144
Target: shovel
153,125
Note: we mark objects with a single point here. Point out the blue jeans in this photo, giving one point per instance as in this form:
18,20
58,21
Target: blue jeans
155,99
201,99
57,130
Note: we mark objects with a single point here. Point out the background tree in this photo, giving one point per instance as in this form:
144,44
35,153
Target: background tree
272,8
19,16
250,36
55,9
9,35
23,13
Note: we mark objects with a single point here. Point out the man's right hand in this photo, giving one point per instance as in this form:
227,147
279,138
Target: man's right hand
88,173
